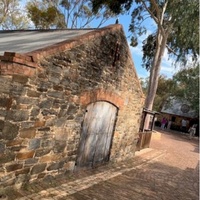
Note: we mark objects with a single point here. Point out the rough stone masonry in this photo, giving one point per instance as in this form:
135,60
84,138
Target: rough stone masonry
43,97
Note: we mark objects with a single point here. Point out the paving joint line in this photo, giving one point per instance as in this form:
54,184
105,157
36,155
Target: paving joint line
72,187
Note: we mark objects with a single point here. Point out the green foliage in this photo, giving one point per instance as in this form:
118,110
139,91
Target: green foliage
184,86
176,27
45,16
187,86
184,37
116,6
16,22
65,14
12,16
149,46
181,20
166,88
79,13
180,23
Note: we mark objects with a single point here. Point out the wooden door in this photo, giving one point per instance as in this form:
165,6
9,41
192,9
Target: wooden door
96,134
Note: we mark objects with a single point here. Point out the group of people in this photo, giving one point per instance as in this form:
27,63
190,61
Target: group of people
165,124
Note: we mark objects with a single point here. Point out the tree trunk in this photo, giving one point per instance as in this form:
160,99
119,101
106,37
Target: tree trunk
154,73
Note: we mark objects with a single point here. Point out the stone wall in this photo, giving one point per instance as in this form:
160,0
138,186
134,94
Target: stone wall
41,111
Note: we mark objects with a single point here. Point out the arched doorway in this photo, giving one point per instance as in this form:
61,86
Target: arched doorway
96,134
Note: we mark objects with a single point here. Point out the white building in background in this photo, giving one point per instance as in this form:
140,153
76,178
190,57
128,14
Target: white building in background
175,111
179,108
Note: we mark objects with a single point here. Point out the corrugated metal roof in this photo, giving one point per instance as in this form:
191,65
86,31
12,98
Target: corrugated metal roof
29,40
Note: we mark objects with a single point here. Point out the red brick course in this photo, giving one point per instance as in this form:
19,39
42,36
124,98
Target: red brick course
26,64
68,44
14,63
101,95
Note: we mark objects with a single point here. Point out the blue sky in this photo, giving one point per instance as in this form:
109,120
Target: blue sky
167,69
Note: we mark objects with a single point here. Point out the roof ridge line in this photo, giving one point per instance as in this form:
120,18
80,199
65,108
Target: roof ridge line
72,42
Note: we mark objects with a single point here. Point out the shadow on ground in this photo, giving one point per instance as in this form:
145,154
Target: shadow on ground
154,182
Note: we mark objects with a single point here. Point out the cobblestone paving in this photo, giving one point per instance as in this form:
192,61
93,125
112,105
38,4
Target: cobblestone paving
166,171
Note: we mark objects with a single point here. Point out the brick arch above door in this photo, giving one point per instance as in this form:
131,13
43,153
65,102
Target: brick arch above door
91,96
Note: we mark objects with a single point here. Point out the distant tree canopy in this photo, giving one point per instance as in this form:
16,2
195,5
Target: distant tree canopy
187,86
118,7
12,15
45,15
66,14
183,86
166,88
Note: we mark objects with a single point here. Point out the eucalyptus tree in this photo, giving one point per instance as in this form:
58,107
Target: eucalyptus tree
44,14
176,29
78,13
186,82
12,15
66,14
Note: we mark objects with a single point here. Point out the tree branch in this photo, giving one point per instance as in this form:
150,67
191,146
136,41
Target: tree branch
149,11
163,10
156,7
171,50
160,17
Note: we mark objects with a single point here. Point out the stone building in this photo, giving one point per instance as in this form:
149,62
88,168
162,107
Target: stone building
68,99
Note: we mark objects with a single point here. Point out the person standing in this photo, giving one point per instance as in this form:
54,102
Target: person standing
183,125
192,130
163,122
166,124
169,124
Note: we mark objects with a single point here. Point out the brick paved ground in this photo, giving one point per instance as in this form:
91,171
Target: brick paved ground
168,170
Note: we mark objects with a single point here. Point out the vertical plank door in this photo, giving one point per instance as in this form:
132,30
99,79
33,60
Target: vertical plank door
96,134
